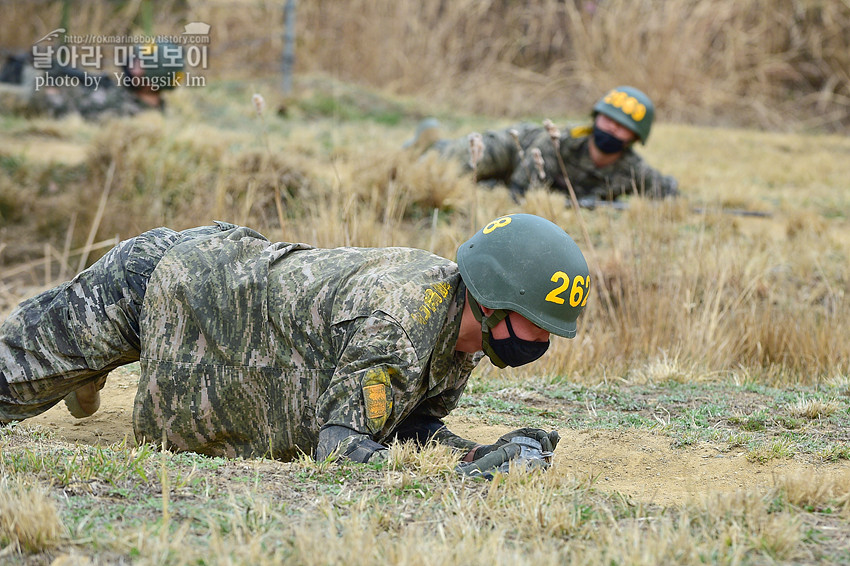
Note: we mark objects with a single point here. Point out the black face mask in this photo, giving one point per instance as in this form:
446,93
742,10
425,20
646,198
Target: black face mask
515,351
607,143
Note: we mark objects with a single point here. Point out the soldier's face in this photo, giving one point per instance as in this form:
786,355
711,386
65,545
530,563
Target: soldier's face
523,328
136,69
616,129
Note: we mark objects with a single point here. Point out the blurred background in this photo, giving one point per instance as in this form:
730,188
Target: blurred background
756,63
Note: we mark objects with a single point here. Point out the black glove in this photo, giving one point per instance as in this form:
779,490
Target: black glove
548,441
344,442
487,465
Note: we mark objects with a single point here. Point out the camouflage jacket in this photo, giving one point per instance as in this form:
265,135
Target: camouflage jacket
511,161
90,103
251,348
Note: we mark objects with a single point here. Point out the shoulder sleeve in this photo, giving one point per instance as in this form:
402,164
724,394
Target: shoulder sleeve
376,380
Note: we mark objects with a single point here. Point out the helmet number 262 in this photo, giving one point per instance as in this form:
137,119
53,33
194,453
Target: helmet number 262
578,293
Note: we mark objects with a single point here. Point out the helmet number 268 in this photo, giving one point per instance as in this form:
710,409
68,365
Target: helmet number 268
578,293
497,223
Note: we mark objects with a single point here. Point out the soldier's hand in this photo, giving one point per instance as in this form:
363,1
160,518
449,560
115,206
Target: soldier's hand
548,440
486,465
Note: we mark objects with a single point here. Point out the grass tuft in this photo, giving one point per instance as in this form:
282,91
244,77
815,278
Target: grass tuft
814,408
29,520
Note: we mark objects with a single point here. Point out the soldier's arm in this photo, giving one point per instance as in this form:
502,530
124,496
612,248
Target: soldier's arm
368,390
633,174
522,177
665,186
528,172
348,443
422,428
652,183
426,423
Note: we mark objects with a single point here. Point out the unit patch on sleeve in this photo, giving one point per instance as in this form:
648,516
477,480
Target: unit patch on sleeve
378,397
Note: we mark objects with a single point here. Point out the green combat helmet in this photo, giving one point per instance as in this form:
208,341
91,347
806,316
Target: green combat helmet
630,107
162,63
525,264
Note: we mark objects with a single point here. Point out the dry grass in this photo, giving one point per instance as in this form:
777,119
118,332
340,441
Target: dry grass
723,528
521,518
750,59
29,520
125,503
814,408
841,382
755,62
819,493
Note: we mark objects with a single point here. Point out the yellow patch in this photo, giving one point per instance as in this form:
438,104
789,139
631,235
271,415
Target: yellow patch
580,131
378,396
376,401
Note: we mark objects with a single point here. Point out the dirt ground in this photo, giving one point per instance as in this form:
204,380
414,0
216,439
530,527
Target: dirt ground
636,463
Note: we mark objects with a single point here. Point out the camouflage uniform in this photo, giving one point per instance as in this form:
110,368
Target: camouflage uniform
17,84
504,160
77,332
90,103
251,348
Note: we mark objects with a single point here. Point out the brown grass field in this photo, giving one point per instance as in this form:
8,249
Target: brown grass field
704,406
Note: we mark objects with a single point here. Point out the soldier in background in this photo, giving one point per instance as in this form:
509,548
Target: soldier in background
149,72
17,82
250,348
598,158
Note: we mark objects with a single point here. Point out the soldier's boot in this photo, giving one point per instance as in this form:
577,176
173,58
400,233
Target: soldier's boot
85,401
427,132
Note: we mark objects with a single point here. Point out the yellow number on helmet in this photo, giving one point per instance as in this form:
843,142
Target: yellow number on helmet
577,292
554,295
586,290
620,99
497,223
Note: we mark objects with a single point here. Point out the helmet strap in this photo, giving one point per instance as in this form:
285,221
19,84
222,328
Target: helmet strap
487,324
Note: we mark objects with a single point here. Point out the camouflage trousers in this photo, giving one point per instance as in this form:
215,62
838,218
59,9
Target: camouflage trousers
79,331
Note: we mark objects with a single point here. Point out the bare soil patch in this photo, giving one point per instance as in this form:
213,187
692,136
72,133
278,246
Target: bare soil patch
640,464
643,466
